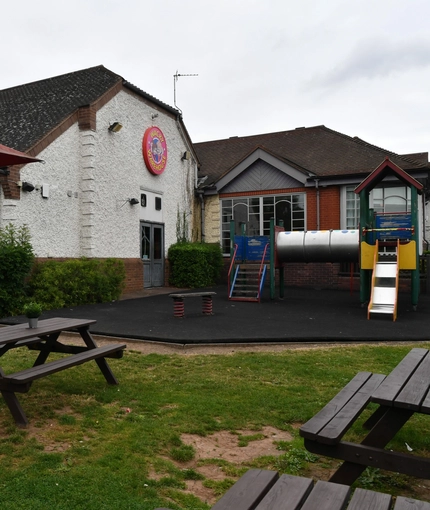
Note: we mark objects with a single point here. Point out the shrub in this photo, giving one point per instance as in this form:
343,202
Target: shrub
32,310
77,282
16,260
194,265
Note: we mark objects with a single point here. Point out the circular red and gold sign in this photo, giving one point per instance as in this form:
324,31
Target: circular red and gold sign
154,150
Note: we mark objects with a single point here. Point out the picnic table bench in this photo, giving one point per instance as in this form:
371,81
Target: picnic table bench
44,338
179,305
399,395
260,489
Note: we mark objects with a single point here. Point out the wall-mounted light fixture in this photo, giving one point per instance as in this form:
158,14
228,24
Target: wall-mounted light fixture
186,156
131,201
154,116
115,127
27,186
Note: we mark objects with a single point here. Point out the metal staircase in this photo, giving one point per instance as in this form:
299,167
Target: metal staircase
385,283
247,281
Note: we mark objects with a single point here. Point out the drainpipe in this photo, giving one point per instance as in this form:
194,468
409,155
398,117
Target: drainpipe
318,203
200,194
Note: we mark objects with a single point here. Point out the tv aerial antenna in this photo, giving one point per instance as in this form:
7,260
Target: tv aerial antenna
175,79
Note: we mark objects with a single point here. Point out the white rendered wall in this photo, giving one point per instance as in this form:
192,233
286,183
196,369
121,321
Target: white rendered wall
92,174
54,222
120,174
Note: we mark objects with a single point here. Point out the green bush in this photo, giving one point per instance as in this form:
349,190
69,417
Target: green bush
76,282
194,265
32,310
16,260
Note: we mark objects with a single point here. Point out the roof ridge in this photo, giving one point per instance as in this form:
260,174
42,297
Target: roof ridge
403,157
141,92
260,135
360,141
71,73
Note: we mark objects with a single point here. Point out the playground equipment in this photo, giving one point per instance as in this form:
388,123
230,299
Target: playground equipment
252,256
248,267
388,243
318,246
383,245
391,247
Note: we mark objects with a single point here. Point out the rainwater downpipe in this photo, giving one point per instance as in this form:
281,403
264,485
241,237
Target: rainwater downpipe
200,194
318,203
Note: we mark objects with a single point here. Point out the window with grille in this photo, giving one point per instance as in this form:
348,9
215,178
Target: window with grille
252,215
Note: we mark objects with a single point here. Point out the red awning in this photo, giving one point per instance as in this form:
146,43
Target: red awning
9,157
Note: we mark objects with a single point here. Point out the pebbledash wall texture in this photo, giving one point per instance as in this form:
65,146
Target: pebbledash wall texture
88,177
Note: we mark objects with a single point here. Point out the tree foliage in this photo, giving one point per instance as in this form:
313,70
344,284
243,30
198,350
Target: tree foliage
16,260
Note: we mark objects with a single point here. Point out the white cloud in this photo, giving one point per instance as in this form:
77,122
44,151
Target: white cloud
378,58
360,67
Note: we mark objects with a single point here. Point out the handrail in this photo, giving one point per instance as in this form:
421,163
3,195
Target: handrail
375,260
261,269
236,247
397,281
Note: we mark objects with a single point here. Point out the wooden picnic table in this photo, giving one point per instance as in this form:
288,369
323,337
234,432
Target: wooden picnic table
44,338
401,394
260,489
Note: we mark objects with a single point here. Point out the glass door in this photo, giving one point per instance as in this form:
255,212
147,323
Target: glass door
152,253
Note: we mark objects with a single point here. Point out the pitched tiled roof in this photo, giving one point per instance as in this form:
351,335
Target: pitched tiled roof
318,150
29,112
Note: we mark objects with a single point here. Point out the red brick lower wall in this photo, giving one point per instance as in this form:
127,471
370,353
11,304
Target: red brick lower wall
133,275
321,275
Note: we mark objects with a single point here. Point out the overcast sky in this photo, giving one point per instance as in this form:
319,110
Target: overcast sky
361,67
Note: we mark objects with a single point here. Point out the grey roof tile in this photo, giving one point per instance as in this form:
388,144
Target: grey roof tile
318,150
28,112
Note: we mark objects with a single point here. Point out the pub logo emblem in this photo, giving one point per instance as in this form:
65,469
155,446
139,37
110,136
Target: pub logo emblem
154,149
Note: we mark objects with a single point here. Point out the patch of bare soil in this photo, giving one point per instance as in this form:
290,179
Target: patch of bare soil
225,445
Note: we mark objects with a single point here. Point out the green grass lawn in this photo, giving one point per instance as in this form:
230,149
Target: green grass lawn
94,446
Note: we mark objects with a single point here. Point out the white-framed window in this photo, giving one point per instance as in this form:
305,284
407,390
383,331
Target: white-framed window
352,208
383,199
253,214
392,199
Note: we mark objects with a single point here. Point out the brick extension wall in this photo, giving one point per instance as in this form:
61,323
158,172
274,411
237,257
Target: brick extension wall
318,275
323,275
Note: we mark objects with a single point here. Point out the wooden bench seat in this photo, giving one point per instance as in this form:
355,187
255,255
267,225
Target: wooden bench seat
265,490
38,371
330,424
179,306
21,343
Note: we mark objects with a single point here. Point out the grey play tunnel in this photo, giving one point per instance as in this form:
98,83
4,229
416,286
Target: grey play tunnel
318,246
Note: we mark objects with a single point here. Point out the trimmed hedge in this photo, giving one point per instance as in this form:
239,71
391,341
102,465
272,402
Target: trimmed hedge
195,265
76,282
